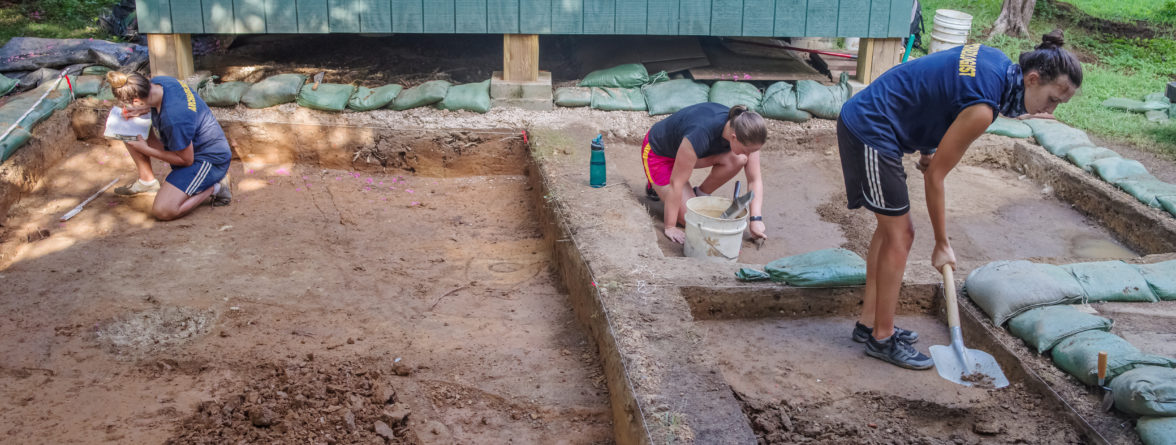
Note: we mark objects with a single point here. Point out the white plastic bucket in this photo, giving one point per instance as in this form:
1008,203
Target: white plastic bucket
709,237
950,29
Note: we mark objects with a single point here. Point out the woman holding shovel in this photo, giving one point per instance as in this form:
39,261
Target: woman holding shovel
935,105
700,136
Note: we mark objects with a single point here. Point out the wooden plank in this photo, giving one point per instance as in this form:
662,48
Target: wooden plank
502,16
537,19
313,17
662,17
600,17
726,18
900,18
520,57
694,17
759,18
876,56
821,18
471,16
342,15
853,18
879,18
631,16
567,16
187,18
249,16
790,18
439,16
154,16
408,16
170,55
375,16
281,17
218,16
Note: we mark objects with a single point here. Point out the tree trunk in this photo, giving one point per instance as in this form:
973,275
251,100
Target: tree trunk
1014,18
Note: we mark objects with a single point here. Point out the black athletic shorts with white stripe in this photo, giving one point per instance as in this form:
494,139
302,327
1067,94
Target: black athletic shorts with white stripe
872,180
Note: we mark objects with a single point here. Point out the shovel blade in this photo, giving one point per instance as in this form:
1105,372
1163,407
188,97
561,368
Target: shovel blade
737,205
968,367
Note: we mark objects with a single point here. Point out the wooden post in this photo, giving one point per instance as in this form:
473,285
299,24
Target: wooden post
876,56
520,57
170,55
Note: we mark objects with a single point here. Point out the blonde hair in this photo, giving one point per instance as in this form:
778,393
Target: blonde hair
749,126
127,87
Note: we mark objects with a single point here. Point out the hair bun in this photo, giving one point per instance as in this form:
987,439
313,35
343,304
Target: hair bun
116,79
1052,40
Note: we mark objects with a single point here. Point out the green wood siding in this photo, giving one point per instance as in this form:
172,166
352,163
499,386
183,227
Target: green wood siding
781,18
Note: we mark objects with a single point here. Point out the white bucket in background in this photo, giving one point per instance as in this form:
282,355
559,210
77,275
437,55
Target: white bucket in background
709,237
950,29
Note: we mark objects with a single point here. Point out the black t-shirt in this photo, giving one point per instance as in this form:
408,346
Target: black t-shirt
702,124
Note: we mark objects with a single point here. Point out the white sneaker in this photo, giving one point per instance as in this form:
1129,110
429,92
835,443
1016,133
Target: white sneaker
221,193
138,187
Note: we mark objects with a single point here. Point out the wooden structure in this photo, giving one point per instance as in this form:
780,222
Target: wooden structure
871,19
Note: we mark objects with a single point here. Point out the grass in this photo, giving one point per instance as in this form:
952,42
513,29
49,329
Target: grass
1114,66
61,19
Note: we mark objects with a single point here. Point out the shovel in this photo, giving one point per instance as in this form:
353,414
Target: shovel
1108,399
957,363
738,204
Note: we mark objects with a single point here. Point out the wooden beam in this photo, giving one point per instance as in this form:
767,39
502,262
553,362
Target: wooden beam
520,57
877,56
170,55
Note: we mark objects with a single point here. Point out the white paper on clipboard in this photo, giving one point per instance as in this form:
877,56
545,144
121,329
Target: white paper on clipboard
126,129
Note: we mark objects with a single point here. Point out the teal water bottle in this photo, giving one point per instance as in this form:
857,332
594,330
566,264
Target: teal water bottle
596,169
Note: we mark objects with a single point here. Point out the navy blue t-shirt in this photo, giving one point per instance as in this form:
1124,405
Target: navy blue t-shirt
910,107
701,123
183,118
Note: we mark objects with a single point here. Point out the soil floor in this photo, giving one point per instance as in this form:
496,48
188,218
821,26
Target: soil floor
320,307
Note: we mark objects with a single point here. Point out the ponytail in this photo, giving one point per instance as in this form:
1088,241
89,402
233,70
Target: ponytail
749,126
1051,61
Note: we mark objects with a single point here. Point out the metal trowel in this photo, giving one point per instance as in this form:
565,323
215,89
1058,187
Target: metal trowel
738,203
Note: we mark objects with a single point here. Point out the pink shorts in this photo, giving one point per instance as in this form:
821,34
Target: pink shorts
657,167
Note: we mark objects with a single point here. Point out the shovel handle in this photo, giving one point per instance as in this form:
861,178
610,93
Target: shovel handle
1102,367
949,293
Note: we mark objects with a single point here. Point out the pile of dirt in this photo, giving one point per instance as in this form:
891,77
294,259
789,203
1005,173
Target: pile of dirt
306,402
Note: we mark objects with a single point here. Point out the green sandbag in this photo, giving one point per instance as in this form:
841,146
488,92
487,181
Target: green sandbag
15,108
819,268
1147,189
1005,289
1156,101
1124,104
821,100
1168,203
95,70
427,93
618,99
1010,127
87,85
780,103
1084,156
574,96
1113,170
12,142
367,99
328,96
1043,327
1161,277
1172,112
7,84
274,90
622,76
1146,391
749,274
226,94
1111,281
736,93
106,93
1078,355
1156,430
1157,116
1056,137
670,96
470,97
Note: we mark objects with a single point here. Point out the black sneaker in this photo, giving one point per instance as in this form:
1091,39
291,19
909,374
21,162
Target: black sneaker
649,193
861,333
898,352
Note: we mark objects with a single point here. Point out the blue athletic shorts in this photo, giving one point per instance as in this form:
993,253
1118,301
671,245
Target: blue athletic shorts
197,177
872,180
